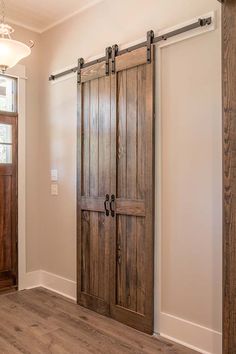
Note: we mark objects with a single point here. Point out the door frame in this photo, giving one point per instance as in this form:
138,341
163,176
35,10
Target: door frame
11,118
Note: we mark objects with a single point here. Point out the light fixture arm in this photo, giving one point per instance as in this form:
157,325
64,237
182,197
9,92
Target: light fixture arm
31,44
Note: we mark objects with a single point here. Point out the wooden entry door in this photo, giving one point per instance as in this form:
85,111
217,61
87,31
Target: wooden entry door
8,202
115,172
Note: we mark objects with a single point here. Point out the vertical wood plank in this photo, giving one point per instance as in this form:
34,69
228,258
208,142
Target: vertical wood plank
94,254
229,149
85,153
131,263
131,124
121,267
121,135
102,260
104,136
141,147
85,264
141,260
93,155
102,240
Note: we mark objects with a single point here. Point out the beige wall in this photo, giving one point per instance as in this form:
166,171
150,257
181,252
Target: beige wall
32,64
191,180
190,287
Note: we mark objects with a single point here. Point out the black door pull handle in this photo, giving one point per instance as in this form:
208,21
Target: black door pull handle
112,205
105,205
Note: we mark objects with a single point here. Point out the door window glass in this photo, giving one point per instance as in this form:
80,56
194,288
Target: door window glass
5,143
8,94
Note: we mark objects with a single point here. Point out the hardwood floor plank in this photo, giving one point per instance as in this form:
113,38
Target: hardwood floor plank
38,321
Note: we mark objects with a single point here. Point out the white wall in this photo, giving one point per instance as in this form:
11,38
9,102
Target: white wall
190,286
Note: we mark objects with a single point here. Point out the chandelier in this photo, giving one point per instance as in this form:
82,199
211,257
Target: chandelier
11,51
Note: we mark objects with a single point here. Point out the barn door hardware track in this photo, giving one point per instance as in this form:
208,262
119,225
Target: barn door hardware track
150,39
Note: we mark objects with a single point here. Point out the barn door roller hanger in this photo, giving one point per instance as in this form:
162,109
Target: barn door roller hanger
112,52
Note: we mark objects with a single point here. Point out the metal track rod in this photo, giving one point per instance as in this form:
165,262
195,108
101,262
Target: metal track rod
200,23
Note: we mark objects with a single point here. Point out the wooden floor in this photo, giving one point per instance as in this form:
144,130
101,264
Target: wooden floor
38,321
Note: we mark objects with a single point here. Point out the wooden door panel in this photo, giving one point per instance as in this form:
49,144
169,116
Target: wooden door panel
94,161
96,138
5,223
115,157
95,263
132,300
131,263
104,147
131,127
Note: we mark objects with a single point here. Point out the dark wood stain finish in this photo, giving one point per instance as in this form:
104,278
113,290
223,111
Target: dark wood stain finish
94,158
132,286
8,214
115,156
42,322
229,125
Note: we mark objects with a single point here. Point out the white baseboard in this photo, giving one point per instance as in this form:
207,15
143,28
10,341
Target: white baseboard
30,280
59,284
50,281
191,335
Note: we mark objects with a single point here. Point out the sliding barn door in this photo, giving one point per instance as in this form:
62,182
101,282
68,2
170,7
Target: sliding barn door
94,182
133,189
115,190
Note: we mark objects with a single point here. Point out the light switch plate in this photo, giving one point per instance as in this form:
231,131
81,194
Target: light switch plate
54,175
54,189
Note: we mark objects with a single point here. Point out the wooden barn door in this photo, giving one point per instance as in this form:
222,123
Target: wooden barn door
94,181
132,252
116,160
8,202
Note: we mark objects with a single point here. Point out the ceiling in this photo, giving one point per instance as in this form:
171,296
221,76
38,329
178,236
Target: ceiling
40,15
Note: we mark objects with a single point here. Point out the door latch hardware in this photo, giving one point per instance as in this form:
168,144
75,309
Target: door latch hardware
105,205
113,58
150,36
108,54
112,204
80,65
